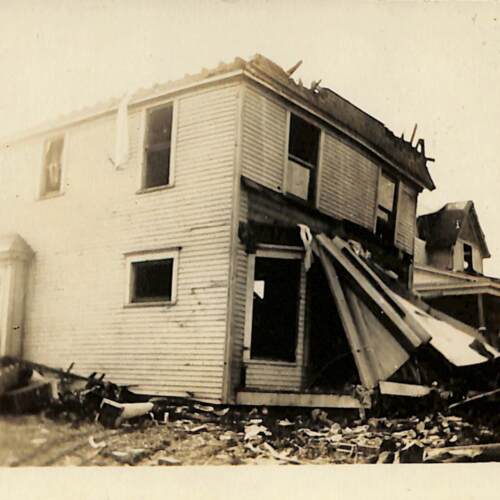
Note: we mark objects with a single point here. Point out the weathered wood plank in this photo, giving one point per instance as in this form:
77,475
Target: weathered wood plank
300,399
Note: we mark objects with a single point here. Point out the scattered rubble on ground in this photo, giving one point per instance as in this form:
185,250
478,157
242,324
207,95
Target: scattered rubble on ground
108,425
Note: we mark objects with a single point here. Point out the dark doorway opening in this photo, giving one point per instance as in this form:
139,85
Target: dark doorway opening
330,361
275,308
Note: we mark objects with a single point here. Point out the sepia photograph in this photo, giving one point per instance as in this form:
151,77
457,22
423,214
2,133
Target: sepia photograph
254,236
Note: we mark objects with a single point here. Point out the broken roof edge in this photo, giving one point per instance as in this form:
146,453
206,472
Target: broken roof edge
336,111
329,106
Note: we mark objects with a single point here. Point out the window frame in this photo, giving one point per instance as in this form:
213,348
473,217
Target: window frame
395,208
143,144
41,195
470,261
272,252
148,256
314,169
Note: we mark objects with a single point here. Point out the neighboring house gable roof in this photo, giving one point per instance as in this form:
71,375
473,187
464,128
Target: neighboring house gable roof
349,118
441,229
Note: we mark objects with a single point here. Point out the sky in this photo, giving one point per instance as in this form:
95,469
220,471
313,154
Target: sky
436,64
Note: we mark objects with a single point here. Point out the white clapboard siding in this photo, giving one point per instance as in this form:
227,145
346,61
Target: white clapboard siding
264,138
406,218
75,309
238,324
348,183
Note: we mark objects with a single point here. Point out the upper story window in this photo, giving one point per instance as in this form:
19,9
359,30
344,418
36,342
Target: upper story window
468,260
157,147
51,179
386,208
303,147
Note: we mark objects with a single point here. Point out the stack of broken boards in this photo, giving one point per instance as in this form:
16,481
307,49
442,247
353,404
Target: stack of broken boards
21,390
382,327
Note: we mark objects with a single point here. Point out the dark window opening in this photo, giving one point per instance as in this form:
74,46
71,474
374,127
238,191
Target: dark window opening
303,145
52,166
152,280
468,263
275,308
157,148
386,209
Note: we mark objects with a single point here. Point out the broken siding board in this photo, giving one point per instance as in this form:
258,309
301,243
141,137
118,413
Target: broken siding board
348,183
406,218
79,312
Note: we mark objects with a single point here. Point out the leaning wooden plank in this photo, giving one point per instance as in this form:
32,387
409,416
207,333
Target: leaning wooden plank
381,287
391,297
260,398
362,363
475,398
364,337
383,351
409,338
407,390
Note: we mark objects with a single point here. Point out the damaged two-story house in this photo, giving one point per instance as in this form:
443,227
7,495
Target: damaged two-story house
182,270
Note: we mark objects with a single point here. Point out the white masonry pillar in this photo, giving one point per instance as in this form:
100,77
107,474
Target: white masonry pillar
15,257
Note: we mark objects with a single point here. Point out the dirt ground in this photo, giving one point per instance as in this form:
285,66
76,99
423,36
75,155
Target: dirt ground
34,440
193,436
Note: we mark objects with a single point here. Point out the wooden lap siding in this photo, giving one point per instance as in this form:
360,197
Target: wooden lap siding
77,284
263,140
406,219
348,185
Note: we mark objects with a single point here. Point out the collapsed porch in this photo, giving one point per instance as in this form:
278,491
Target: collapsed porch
351,336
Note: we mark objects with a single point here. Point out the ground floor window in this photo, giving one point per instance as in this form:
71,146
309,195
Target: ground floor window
152,277
275,307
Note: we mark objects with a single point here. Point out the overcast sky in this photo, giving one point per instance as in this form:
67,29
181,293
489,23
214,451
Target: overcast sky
435,64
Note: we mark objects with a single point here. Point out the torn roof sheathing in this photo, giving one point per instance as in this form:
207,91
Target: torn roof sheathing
382,328
451,342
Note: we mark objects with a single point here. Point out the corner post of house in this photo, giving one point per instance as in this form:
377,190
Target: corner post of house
228,394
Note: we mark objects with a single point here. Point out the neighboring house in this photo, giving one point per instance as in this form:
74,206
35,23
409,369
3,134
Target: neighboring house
450,249
181,270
